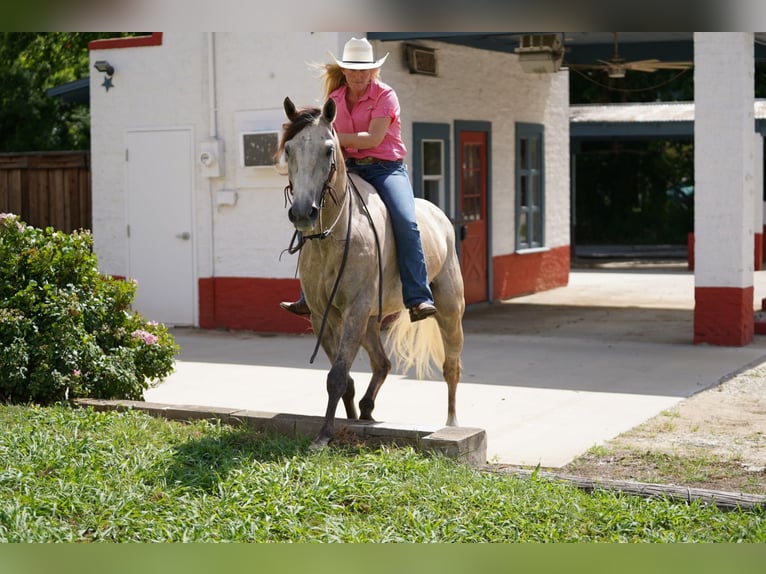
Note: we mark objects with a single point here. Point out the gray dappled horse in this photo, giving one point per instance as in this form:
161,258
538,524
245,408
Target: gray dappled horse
347,252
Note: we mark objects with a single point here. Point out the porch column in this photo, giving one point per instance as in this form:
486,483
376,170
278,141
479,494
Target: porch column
758,200
724,187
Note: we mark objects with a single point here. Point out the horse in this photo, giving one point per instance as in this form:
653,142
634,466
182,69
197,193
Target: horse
349,274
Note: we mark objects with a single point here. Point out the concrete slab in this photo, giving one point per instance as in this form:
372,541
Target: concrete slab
547,376
465,444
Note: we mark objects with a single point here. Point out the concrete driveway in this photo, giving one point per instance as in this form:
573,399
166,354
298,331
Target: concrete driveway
548,375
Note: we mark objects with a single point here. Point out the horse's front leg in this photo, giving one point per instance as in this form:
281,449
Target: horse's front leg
337,380
348,399
339,383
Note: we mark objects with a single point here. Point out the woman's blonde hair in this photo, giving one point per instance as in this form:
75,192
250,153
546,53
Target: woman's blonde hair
333,78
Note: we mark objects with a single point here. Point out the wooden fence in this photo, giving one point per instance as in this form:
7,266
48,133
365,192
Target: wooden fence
47,188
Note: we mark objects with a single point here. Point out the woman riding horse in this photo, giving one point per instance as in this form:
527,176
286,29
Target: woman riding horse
368,126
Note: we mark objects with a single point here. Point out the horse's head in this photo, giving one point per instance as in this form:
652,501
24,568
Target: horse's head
309,144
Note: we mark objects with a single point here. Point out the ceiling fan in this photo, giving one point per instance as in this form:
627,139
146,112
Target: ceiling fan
617,66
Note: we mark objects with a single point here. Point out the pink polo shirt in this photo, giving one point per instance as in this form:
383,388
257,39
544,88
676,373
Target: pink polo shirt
379,101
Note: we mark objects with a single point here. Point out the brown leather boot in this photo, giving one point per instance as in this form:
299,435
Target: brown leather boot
421,311
296,307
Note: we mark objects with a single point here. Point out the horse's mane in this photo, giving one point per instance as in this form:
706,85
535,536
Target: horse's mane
301,118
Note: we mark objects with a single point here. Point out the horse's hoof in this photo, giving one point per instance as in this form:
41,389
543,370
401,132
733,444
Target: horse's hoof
319,443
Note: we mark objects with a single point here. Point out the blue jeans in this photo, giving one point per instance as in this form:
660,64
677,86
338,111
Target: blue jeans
392,182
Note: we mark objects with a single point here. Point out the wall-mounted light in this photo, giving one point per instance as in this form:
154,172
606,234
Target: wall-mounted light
105,68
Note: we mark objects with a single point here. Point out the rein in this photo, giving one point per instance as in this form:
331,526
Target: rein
349,184
301,240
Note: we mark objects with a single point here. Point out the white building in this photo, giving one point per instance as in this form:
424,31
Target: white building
186,202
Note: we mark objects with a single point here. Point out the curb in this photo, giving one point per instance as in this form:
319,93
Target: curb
465,444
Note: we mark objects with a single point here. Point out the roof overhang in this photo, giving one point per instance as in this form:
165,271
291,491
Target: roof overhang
652,120
581,47
76,92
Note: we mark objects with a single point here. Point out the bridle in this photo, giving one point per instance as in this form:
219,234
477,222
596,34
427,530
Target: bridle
327,188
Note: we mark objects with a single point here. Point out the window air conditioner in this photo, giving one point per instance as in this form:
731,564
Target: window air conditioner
258,148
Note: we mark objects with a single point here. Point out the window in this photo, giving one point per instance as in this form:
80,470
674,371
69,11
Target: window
433,170
430,169
530,186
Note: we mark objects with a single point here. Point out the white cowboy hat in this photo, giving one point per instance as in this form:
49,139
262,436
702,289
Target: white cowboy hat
357,55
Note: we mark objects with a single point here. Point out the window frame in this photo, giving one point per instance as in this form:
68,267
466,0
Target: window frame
533,208
432,132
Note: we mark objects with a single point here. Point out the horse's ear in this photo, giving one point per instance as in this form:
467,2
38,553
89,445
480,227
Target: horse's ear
289,108
328,111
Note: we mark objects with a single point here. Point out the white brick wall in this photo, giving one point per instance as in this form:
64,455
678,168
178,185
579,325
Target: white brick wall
167,85
477,85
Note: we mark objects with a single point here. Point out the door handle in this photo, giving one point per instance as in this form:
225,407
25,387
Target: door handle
185,235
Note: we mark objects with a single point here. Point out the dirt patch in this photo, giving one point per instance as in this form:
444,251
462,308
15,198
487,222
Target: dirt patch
715,440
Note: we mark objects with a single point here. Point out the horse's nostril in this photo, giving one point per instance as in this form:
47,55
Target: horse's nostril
314,213
290,215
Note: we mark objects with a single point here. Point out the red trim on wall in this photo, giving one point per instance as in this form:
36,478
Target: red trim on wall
723,316
249,303
520,274
154,39
758,252
252,303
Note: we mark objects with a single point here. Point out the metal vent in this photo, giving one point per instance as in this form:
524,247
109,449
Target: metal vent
258,148
540,53
421,60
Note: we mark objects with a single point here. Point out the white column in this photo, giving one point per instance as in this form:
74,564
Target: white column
758,199
724,187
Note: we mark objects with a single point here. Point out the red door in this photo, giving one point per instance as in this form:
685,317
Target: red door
473,214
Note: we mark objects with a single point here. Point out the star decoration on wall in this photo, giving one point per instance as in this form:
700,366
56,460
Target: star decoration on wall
107,83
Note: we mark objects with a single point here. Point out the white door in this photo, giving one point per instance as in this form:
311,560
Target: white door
160,178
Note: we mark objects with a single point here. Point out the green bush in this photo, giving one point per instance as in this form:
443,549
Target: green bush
66,331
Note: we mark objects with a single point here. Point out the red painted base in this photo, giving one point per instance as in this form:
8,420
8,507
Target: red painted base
723,316
248,303
521,274
252,304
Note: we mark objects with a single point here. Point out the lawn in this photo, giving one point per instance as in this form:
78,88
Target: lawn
77,475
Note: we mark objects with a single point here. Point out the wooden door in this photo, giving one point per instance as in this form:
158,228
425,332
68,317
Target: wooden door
473,214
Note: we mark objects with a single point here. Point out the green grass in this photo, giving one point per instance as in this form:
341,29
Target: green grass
82,476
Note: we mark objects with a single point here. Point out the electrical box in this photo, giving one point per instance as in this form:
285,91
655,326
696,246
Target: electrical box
225,197
210,158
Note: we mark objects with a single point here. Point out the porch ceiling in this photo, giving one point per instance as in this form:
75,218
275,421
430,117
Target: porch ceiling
582,47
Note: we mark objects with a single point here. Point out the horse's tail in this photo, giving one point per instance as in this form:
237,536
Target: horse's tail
415,345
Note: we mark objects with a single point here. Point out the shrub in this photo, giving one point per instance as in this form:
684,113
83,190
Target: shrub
66,331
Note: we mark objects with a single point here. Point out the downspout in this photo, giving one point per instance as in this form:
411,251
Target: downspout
211,85
213,133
